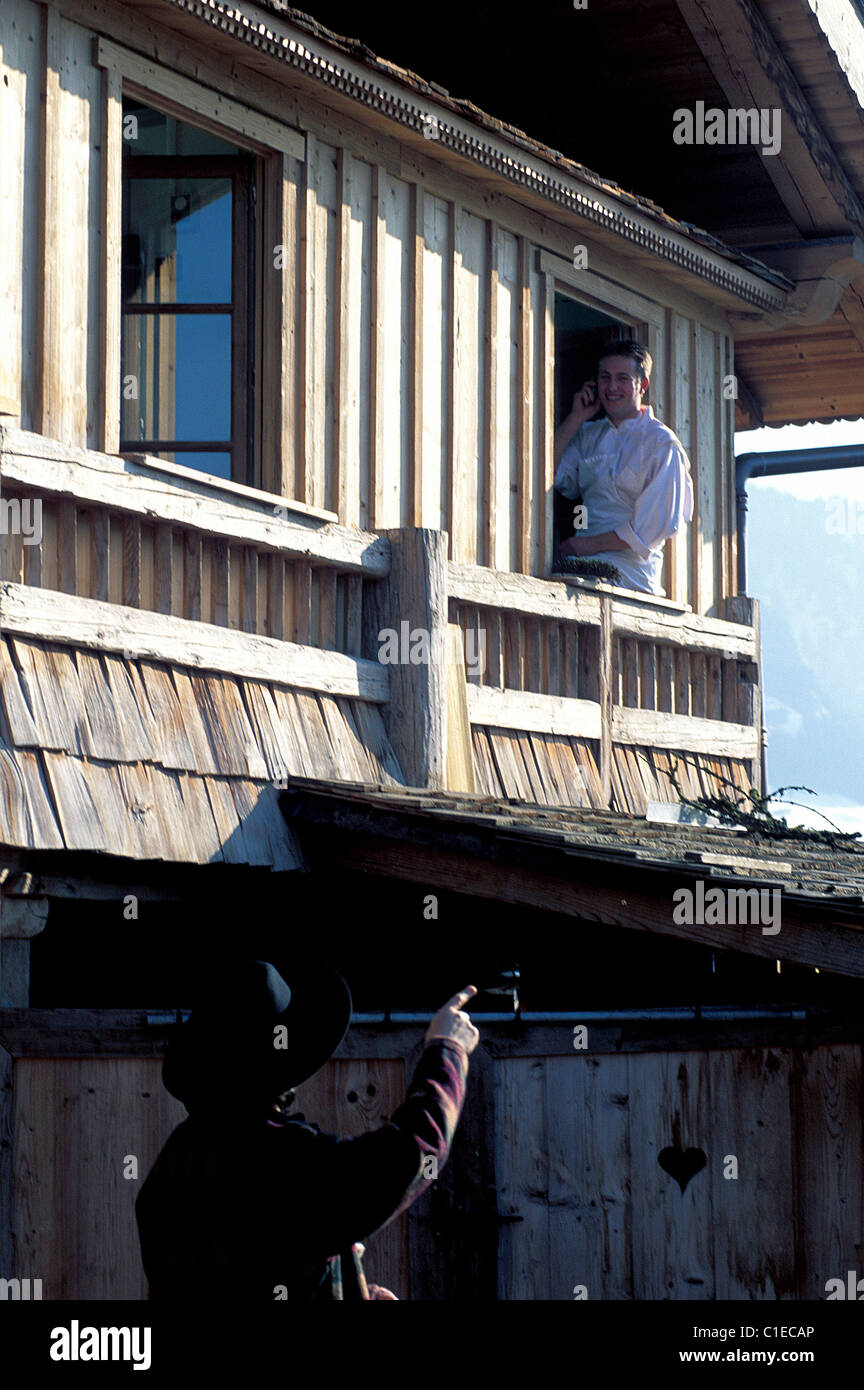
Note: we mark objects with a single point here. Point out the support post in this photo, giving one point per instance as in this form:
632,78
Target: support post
7,1159
20,919
410,608
741,609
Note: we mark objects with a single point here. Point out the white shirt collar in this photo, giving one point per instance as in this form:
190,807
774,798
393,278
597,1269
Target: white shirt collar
645,414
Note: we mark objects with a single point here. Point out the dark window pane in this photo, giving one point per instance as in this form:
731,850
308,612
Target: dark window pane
176,371
177,241
149,132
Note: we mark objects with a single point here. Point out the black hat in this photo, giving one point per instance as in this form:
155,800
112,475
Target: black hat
252,1036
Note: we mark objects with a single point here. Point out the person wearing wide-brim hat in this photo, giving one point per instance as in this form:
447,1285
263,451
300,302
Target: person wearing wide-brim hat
247,1200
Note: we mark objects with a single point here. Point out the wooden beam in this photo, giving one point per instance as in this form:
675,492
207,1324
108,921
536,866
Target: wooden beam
216,112
96,478
521,593
831,945
542,714
413,600
84,622
656,729
749,65
648,618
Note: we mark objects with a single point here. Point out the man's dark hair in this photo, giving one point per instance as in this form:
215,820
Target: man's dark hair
628,347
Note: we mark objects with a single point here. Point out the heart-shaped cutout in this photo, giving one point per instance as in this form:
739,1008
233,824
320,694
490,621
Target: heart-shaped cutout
681,1164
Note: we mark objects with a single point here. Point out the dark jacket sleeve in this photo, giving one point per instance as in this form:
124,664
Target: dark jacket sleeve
355,1186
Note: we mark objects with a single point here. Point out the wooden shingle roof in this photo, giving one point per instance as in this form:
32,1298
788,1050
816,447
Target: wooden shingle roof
149,761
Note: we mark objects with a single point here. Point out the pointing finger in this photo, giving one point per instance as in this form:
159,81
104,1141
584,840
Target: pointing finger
462,997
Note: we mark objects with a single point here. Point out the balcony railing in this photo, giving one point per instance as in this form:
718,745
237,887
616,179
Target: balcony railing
563,691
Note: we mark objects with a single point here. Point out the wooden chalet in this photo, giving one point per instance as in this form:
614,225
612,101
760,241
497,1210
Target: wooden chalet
223,476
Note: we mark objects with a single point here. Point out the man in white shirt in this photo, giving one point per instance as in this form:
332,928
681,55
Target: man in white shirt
629,469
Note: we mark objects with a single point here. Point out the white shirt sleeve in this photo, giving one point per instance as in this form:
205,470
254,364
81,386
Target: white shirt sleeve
567,473
663,506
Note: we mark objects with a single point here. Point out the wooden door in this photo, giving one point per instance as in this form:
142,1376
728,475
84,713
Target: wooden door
764,1196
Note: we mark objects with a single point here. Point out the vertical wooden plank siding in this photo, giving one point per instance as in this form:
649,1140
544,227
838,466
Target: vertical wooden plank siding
521,1114
827,1144
377,399
750,1119
672,1240
192,576
707,388
417,223
508,428
520,480
730,512
392,491
352,447
542,510
681,406
467,390
722,464
21,45
132,562
542,414
311,385
437,418
279,309
108,429
48,414
70,355
663,396
488,495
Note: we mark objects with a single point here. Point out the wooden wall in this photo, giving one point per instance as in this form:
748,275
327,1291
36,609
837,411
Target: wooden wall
76,1119
568,1162
415,380
577,1151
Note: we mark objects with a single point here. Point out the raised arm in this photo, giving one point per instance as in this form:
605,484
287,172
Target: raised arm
355,1186
585,407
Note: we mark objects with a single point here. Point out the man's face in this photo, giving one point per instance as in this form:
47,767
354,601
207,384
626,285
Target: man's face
620,388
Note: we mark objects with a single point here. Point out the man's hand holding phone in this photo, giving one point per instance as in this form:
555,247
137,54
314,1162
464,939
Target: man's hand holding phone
586,403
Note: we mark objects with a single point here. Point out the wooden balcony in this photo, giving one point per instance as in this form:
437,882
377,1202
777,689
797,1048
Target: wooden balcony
585,694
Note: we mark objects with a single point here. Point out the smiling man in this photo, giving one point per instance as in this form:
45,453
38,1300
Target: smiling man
629,469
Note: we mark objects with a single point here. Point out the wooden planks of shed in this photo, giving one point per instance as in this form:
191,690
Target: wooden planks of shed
577,1143
73,1211
74,1220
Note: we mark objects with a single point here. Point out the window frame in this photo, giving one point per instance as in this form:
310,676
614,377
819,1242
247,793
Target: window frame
276,145
241,308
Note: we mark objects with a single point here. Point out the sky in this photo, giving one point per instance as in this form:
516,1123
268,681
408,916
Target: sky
788,702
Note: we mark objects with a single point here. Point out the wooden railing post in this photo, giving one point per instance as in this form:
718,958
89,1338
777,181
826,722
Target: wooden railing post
742,609
409,608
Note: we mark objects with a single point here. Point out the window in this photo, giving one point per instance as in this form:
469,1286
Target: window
188,295
580,333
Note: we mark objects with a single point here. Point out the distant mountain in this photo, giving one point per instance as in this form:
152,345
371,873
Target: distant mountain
810,581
